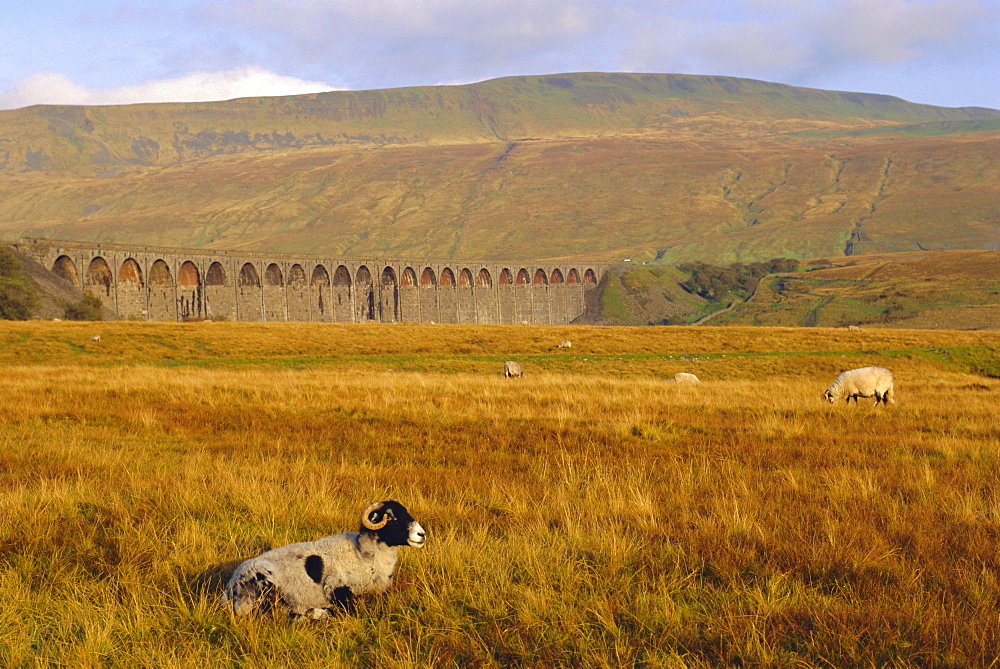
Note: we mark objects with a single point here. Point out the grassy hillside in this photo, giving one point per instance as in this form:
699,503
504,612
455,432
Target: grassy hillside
588,514
646,296
948,290
93,140
602,165
956,290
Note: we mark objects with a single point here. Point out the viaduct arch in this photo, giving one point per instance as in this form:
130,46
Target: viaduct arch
169,284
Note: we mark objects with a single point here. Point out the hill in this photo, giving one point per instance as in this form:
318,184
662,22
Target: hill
939,290
944,290
654,167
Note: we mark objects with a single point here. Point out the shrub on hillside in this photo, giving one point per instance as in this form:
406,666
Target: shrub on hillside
18,297
87,309
713,282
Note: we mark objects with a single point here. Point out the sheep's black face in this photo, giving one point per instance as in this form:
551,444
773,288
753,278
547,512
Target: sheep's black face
400,529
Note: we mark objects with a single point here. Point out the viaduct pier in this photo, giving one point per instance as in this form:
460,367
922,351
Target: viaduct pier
171,284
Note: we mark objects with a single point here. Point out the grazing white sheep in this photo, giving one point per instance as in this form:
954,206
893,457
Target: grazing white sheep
95,338
511,368
874,382
565,343
685,377
853,328
307,579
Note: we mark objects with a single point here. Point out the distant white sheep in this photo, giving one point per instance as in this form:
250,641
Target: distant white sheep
874,382
308,579
95,338
853,328
565,343
685,377
511,368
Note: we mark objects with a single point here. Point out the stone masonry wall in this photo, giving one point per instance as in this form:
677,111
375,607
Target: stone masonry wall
169,284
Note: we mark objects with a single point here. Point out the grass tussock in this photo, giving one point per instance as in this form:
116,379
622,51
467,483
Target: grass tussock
587,514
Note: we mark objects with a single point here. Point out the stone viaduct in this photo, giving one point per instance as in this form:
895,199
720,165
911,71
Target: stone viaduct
170,284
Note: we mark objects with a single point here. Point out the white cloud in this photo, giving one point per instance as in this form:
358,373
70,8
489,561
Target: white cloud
55,88
751,48
807,42
901,47
399,39
890,31
395,42
454,19
44,87
739,48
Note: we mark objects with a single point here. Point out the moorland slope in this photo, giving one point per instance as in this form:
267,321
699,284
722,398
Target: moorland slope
939,291
656,167
934,290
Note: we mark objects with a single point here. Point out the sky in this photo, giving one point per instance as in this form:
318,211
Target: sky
940,52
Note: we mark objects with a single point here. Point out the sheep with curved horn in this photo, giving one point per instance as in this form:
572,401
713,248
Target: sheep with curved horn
308,579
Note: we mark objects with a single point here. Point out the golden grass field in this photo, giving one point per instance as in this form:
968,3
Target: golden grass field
588,514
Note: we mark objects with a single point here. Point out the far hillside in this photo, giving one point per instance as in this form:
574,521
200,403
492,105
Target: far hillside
944,290
681,294
952,290
659,168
